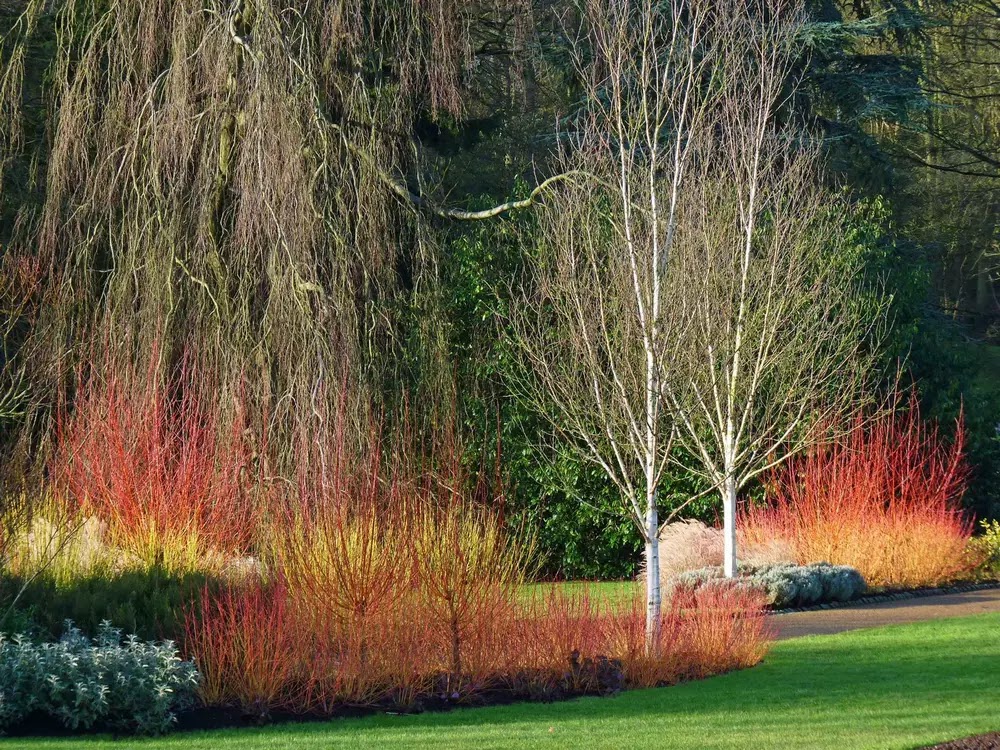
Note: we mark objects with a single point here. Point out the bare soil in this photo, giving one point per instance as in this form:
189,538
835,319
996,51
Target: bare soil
989,741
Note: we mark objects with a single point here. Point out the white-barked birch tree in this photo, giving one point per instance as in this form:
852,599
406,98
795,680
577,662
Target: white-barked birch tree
592,323
772,321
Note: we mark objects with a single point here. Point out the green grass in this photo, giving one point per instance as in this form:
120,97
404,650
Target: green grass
896,687
612,592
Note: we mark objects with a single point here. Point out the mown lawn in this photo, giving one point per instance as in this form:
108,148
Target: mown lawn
897,687
613,592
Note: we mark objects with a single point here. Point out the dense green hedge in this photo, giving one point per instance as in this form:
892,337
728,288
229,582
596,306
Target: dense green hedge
149,604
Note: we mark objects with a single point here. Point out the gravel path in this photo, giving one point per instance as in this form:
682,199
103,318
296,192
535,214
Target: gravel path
825,622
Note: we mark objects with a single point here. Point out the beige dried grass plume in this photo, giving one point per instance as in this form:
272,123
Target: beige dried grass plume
687,545
691,545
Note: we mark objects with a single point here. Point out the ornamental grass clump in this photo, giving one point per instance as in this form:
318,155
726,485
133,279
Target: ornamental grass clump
884,499
58,543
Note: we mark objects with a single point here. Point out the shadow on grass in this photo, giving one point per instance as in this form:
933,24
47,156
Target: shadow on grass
914,676
902,686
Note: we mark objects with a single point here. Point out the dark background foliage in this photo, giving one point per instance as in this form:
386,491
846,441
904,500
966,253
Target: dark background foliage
903,94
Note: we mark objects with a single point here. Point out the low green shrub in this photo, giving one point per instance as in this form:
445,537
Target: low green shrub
149,603
787,584
986,547
130,686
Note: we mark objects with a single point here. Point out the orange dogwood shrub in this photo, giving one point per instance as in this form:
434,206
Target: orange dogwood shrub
884,499
255,651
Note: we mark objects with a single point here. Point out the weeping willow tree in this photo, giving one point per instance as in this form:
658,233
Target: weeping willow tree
237,178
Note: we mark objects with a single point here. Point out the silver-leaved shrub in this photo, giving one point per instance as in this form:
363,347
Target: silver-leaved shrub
788,584
127,686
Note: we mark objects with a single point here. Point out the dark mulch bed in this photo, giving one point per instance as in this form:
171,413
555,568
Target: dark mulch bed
231,717
600,676
989,741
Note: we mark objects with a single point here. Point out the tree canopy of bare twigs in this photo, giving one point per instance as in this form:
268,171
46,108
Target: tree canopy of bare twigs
774,327
688,290
593,330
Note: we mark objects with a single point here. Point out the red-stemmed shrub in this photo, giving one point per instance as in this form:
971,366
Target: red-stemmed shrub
256,654
247,647
553,633
339,539
703,631
468,571
374,571
722,627
884,499
399,589
168,470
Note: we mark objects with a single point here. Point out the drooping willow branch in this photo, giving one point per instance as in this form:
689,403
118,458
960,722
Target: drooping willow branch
399,188
205,188
486,213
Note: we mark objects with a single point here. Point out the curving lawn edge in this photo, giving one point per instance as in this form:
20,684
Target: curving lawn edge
896,687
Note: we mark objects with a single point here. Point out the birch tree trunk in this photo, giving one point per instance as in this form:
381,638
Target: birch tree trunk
653,594
729,525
